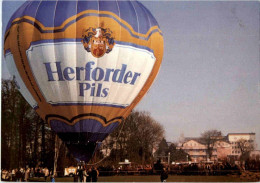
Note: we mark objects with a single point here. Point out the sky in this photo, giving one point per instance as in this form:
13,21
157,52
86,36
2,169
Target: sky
209,77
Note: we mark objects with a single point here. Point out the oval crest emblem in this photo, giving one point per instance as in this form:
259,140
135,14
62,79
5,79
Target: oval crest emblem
98,41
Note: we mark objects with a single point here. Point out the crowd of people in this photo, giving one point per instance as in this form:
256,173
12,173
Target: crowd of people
87,175
213,168
91,174
205,168
23,174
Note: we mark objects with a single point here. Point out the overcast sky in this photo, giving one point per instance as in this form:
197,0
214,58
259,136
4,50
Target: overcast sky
209,78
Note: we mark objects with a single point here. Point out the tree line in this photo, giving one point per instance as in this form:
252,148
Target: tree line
27,140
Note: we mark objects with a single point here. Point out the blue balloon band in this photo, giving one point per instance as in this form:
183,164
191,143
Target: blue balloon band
86,125
77,19
54,13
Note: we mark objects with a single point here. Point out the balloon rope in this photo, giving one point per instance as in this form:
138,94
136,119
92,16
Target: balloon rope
120,130
115,141
97,162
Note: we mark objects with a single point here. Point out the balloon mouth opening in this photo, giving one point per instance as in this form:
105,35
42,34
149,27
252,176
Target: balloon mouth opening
81,150
83,138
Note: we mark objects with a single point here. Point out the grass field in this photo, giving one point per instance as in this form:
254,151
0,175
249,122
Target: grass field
153,178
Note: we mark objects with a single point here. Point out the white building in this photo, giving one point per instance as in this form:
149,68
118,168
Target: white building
234,138
196,150
224,147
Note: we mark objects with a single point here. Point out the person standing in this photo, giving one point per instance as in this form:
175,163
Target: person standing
164,175
37,170
27,174
13,175
84,174
9,175
46,173
89,175
52,178
94,174
3,174
18,175
80,174
31,173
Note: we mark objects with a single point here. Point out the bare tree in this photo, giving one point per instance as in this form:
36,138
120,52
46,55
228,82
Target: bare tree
209,138
136,138
245,147
150,133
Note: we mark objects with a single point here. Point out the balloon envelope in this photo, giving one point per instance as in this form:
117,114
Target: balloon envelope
83,65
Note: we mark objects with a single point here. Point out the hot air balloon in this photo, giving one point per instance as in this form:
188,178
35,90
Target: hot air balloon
83,65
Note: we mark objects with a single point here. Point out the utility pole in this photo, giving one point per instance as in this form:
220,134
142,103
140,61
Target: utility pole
56,154
169,156
43,150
